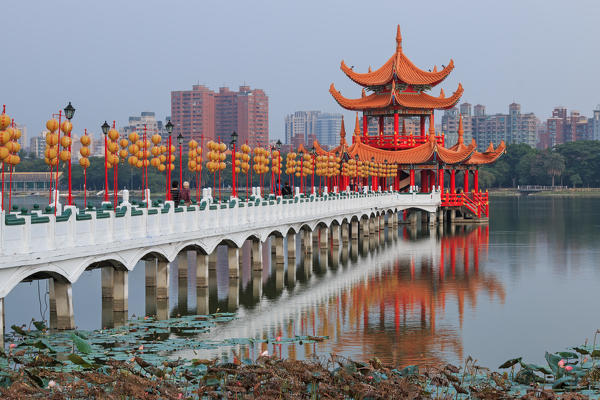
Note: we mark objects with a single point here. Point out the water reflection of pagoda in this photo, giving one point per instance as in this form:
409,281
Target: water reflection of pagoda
394,315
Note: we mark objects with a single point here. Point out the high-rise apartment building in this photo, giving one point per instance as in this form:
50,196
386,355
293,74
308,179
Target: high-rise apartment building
145,119
301,124
594,124
328,129
216,115
450,124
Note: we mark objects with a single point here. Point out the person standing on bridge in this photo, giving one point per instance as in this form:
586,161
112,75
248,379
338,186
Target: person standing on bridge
185,193
175,194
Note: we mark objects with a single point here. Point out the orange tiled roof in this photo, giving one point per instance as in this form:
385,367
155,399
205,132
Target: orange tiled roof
416,155
450,156
489,156
402,67
404,99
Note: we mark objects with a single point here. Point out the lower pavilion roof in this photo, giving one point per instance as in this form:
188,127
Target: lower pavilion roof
395,100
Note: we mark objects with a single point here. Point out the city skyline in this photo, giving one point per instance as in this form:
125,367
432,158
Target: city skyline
102,75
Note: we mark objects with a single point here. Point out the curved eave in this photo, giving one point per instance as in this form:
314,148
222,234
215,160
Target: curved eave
373,101
416,155
409,73
340,148
423,100
450,156
487,157
404,69
381,76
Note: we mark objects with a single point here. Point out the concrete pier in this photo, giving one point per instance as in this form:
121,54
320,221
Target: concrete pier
354,230
233,294
202,301
335,235
62,293
212,259
279,255
256,255
364,227
233,262
201,270
323,238
182,265
291,272
308,242
291,247
150,270
256,284
2,328
162,280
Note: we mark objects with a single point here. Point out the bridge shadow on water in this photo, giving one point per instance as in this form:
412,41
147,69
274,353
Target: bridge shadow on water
397,294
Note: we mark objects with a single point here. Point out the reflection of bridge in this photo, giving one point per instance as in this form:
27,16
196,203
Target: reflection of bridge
35,245
527,189
385,307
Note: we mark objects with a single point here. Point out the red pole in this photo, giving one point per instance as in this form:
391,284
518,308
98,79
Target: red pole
441,179
3,184
272,173
49,192
412,177
168,174
70,176
396,128
302,173
105,168
365,125
453,181
279,162
115,179
476,180
57,163
466,188
10,190
85,188
200,174
180,165
312,186
234,193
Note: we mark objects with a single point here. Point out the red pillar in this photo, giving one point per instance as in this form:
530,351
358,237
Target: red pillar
424,179
422,126
380,129
396,128
365,125
466,189
452,181
476,180
441,178
412,177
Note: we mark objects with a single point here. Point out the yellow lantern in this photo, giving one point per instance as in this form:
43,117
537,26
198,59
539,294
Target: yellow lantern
4,137
4,121
123,143
155,162
139,164
156,139
113,134
52,125
65,141
84,151
123,153
113,147
85,140
133,137
84,162
66,127
3,152
50,152
65,155
162,168
193,144
51,139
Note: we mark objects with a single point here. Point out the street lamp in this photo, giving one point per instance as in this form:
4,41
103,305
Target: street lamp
234,137
69,112
169,128
105,127
180,143
279,159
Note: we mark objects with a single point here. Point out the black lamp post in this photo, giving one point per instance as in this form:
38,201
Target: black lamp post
278,145
169,128
69,111
234,137
105,128
180,143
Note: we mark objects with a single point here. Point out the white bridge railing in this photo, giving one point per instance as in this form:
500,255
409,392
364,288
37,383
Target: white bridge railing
34,235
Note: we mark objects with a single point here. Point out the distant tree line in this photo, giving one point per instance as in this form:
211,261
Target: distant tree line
574,164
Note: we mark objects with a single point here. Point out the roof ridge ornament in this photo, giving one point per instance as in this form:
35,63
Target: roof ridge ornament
342,130
357,126
398,40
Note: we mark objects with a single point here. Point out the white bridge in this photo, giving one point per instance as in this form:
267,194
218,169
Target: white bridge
38,245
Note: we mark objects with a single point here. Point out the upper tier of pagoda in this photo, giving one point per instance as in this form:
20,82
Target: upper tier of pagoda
398,87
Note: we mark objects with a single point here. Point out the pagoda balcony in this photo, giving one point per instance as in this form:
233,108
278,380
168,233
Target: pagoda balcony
400,142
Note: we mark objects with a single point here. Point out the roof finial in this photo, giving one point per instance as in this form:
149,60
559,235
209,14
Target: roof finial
442,94
398,39
431,128
363,93
460,130
369,68
342,130
357,126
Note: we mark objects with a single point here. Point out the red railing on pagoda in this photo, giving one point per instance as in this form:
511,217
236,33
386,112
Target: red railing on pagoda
476,202
400,142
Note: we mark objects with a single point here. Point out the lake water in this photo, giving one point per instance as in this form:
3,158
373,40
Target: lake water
525,284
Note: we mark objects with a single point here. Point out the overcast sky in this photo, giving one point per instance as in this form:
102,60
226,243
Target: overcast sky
113,59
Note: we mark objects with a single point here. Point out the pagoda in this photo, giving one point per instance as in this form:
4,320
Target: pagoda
398,90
